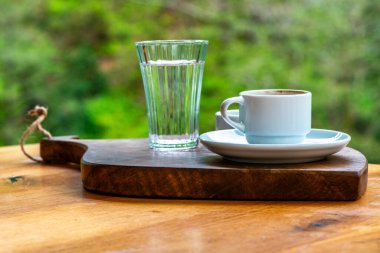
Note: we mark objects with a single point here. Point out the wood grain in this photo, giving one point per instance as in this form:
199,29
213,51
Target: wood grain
44,208
128,167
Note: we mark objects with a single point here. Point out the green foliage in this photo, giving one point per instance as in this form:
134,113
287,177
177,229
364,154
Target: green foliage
78,58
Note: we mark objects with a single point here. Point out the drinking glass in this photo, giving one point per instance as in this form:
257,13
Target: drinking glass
172,73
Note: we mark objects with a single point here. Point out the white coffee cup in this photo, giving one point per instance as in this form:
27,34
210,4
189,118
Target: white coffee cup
276,116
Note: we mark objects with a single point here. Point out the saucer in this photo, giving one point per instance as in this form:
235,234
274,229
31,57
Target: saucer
232,145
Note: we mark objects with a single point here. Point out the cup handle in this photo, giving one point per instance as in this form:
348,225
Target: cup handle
223,111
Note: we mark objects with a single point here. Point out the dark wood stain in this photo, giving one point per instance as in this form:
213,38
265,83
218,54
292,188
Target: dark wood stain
322,223
15,179
128,167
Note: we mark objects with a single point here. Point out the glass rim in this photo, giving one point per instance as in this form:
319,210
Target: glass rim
171,42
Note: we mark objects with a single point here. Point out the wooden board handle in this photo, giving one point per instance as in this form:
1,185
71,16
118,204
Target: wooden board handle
63,149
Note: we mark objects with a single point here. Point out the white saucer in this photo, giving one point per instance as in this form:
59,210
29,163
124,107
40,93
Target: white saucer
232,145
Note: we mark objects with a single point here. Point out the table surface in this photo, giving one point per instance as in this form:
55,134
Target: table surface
43,208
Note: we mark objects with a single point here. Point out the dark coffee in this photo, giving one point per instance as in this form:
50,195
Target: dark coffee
280,92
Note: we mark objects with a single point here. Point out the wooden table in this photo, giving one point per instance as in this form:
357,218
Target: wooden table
43,208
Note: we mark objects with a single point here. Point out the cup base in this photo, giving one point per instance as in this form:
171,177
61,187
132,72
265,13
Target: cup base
252,139
173,145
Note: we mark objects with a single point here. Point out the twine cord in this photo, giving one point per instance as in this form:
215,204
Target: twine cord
41,113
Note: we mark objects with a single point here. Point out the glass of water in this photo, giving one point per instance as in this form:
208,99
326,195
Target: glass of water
172,73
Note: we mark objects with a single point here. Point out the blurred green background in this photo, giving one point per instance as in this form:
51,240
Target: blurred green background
78,59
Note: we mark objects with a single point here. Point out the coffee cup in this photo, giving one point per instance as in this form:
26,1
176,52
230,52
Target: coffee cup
274,116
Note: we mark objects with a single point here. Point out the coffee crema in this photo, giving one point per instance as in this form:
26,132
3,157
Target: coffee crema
281,92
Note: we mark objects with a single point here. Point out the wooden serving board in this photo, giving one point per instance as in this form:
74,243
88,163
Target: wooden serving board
128,167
